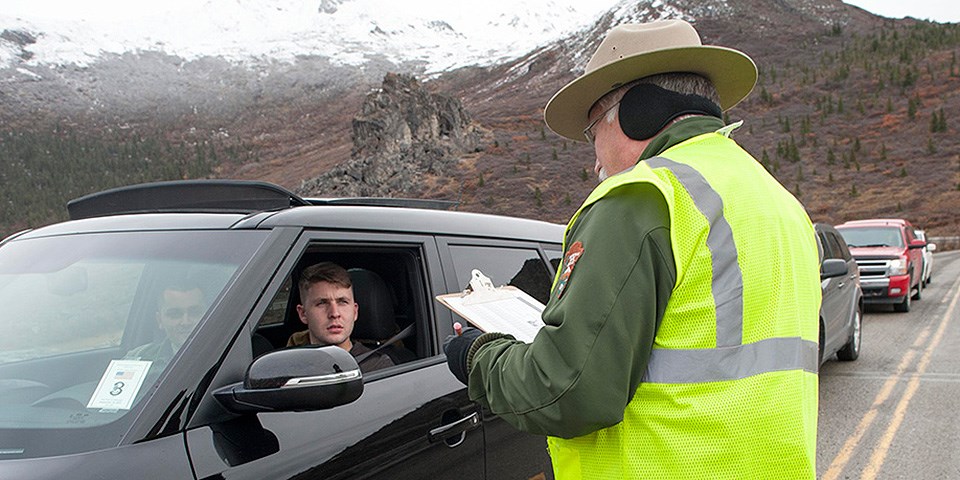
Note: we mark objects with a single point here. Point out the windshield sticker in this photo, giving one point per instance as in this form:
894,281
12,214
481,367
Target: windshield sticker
119,385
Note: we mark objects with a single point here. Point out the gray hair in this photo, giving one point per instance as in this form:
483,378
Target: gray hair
687,83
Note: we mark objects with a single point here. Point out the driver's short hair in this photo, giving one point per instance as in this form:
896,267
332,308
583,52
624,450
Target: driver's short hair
323,272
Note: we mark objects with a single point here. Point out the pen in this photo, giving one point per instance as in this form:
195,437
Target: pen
458,328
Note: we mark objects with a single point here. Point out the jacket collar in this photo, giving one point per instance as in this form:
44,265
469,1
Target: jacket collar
678,132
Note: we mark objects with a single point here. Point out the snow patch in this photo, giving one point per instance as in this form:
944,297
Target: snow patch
439,34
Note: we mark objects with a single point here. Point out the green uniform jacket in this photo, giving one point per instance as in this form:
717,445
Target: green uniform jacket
578,379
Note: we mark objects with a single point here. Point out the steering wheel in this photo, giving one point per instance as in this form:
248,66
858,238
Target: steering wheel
74,397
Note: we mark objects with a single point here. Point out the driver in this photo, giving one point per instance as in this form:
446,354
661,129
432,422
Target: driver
179,308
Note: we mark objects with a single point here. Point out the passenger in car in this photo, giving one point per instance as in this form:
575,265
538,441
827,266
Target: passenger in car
179,308
329,311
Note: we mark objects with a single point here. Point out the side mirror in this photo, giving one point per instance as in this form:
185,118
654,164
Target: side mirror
295,380
917,243
931,247
833,267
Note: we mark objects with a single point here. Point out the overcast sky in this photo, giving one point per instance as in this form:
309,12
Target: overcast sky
936,10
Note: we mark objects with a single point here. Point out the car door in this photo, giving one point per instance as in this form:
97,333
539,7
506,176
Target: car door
525,265
412,420
916,258
838,294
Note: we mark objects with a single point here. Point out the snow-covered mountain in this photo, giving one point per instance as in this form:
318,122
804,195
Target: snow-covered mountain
435,35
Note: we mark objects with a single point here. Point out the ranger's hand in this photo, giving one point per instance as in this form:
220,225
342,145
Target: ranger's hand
456,347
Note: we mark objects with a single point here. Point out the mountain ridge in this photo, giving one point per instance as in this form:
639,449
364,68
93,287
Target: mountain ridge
843,113
345,32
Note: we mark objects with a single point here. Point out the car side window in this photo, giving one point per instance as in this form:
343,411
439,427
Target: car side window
553,256
523,268
910,235
387,286
838,247
823,248
831,247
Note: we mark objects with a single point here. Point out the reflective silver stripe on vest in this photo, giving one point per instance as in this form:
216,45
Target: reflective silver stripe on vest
727,282
731,363
731,360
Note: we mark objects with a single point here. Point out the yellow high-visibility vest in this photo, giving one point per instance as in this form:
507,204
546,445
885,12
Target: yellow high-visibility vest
730,390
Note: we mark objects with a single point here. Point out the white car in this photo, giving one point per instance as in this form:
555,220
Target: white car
927,256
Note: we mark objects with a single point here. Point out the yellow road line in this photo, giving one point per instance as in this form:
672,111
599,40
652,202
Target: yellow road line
846,452
880,451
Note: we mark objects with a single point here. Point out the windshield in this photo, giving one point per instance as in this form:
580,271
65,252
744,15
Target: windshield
872,236
89,322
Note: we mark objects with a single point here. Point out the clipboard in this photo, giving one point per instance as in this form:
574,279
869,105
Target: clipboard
505,309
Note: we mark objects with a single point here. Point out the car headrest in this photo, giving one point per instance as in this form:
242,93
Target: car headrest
376,320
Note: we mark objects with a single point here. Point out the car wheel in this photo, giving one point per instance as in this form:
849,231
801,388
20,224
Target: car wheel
851,350
903,306
919,294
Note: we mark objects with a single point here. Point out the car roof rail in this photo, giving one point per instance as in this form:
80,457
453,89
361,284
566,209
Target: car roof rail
899,221
422,203
185,196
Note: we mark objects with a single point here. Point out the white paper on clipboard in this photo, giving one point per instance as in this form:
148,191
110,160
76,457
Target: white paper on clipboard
505,309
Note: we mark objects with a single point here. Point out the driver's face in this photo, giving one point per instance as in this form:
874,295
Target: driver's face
179,313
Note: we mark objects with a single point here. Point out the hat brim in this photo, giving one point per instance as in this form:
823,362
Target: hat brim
732,72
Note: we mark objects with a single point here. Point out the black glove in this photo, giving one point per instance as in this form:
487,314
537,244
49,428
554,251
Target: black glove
456,347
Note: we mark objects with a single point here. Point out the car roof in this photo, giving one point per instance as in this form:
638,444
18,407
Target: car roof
820,226
411,220
145,207
875,221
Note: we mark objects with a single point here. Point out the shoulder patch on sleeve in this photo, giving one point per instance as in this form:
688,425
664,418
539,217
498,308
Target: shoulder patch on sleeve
569,261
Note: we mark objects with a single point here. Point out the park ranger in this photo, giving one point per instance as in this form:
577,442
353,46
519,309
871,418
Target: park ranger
681,332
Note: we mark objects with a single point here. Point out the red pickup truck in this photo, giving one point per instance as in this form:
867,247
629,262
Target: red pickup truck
890,259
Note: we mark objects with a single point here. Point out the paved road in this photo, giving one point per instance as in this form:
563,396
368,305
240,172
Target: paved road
895,412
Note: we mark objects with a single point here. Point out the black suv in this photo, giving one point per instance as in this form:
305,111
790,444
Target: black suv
233,401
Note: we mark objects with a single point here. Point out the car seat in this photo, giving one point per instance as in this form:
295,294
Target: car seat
376,322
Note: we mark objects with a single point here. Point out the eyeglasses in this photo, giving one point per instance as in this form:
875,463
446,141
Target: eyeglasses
588,132
177,312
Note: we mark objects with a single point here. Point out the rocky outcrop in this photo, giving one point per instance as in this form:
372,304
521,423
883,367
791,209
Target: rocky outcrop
402,133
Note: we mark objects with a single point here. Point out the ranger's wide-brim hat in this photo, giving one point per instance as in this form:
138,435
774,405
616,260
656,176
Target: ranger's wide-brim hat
633,51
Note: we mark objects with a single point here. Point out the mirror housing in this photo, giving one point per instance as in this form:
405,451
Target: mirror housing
932,247
295,380
917,243
833,267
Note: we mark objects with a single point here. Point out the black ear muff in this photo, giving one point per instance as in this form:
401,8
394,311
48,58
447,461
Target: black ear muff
646,109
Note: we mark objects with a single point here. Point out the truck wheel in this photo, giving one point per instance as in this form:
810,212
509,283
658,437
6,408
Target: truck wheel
903,306
919,294
851,350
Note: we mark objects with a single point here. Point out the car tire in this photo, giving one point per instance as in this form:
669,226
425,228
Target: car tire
851,350
903,306
919,294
